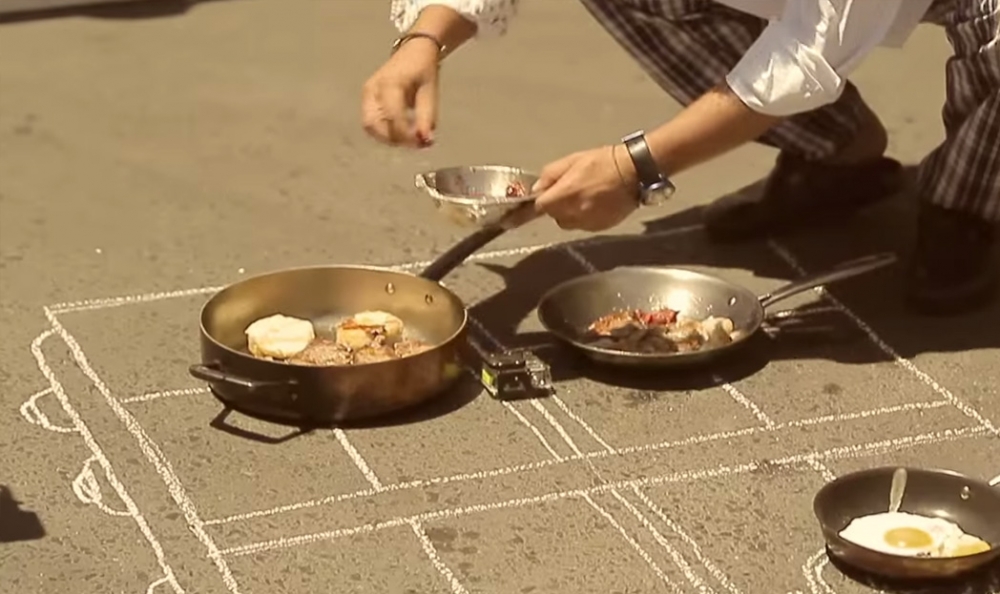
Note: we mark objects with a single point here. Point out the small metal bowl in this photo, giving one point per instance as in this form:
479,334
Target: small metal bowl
477,195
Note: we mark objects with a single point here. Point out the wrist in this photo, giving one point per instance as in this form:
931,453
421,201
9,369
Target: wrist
626,168
419,45
446,25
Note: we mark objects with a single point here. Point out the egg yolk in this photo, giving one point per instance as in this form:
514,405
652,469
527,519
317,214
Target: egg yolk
908,538
970,548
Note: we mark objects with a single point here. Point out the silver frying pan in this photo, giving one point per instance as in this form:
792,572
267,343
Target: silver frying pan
568,309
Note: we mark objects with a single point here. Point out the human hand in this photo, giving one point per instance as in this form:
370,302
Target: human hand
591,190
399,102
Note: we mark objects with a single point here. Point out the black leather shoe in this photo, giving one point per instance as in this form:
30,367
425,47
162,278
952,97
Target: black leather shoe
799,195
955,268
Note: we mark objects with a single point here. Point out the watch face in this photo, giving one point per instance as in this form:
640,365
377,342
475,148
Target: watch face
657,194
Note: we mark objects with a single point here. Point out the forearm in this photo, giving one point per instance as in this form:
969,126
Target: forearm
714,124
446,25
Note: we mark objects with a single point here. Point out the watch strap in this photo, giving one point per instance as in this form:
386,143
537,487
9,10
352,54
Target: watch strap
647,172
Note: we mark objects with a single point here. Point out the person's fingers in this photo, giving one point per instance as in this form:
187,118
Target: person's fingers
425,109
373,119
396,108
551,174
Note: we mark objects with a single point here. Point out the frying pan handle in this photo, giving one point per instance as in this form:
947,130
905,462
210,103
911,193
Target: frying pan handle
460,252
213,375
841,272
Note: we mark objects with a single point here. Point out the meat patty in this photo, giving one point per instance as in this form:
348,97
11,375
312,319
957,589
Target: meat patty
321,352
409,348
373,354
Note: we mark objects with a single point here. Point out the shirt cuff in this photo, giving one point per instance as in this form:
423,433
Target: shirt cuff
780,76
490,16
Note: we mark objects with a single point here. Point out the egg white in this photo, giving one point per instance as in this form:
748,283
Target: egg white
871,532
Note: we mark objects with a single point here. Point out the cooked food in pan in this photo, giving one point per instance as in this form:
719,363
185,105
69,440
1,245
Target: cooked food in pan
279,337
366,337
912,535
658,331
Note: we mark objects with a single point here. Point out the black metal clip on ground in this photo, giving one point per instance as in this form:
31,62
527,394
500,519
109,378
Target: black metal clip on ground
514,374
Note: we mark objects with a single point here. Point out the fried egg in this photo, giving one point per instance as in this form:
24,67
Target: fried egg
911,535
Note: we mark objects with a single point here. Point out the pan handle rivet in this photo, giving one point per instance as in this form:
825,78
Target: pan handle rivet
966,493
390,288
429,299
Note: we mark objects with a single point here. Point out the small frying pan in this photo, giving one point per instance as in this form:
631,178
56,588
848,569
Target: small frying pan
972,504
568,309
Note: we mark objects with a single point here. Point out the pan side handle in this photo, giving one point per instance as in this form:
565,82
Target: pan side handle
213,375
843,271
995,481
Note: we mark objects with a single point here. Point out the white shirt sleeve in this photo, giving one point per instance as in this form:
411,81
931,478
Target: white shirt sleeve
490,16
802,60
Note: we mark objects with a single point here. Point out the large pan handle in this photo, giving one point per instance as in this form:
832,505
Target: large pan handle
841,272
213,375
460,252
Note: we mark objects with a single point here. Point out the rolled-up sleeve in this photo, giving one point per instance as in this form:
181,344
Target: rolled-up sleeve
802,60
492,17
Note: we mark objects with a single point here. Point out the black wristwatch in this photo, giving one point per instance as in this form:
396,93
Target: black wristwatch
654,187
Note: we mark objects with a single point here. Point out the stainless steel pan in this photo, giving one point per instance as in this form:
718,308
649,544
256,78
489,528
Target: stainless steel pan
568,309
308,395
972,504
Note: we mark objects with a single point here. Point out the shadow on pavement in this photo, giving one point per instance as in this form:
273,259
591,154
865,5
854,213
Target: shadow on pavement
17,524
810,333
127,10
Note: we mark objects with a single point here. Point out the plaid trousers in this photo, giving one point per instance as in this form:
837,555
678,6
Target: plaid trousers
689,46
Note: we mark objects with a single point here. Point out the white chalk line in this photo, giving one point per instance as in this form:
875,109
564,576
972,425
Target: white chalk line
906,364
435,558
152,453
822,469
98,453
838,453
531,466
582,260
88,491
150,396
813,572
538,434
743,401
693,578
883,410
643,554
32,414
153,586
558,427
358,461
675,556
583,424
707,563
109,302
633,543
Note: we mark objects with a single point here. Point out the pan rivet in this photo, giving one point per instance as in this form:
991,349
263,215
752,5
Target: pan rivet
429,299
390,288
965,494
